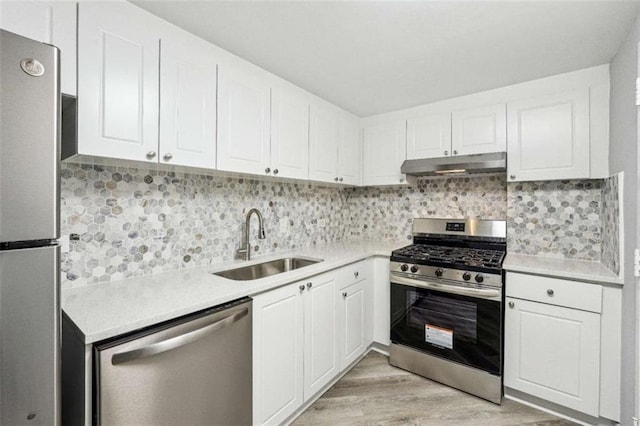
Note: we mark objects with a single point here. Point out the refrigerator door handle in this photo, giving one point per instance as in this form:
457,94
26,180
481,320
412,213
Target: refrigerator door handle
178,341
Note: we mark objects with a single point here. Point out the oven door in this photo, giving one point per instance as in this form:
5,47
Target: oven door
461,324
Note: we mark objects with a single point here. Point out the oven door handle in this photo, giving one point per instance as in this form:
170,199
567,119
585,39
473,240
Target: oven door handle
446,288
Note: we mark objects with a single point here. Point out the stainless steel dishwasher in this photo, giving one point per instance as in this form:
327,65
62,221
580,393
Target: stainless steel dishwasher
196,370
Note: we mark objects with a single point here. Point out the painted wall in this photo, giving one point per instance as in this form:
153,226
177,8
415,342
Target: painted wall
623,157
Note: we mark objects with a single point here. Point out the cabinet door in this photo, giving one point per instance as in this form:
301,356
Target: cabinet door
349,151
188,79
479,130
277,354
244,98
553,353
320,334
548,137
289,134
52,22
352,302
117,81
323,143
429,136
384,151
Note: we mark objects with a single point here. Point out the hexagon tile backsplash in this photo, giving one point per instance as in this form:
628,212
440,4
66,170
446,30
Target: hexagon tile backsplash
128,221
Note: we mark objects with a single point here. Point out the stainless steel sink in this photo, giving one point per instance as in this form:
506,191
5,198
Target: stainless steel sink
266,269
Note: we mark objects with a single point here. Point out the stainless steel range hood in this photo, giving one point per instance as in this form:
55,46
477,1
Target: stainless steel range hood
463,164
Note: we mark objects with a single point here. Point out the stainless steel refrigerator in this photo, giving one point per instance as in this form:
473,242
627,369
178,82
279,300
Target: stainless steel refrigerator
29,229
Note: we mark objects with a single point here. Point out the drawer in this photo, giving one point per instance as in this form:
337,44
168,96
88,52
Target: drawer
554,291
353,273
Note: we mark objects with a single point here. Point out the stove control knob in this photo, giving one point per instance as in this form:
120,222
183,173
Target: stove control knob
466,276
439,272
404,267
479,278
414,269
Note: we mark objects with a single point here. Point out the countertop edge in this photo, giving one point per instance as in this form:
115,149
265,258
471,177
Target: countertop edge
561,268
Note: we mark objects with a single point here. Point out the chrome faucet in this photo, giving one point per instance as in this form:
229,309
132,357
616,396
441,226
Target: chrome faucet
245,250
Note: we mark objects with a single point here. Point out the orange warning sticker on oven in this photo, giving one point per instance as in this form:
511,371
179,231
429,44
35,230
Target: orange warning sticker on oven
438,336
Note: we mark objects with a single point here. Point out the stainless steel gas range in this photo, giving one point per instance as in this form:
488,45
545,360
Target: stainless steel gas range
447,304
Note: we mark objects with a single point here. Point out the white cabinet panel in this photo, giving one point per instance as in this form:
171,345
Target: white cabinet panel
52,22
479,130
429,136
188,80
320,333
384,151
277,354
553,353
323,143
244,98
548,137
349,151
117,81
352,305
289,134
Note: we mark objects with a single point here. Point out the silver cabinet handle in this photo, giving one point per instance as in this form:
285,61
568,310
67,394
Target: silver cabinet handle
267,170
511,304
309,285
301,287
178,341
344,294
455,152
512,177
275,171
550,292
446,153
341,179
167,156
151,154
335,178
355,274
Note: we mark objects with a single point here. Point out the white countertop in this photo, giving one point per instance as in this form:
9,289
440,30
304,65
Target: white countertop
581,270
101,311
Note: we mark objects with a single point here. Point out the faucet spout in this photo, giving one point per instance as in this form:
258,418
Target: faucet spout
245,250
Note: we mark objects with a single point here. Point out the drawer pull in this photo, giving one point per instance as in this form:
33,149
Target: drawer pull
550,292
309,285
355,274
511,304
344,294
301,287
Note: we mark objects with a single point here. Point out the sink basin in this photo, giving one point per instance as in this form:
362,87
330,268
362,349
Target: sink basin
266,269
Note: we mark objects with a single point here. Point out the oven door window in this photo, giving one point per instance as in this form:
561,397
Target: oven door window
459,328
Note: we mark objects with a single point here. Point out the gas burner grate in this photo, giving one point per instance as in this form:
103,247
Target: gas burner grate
443,255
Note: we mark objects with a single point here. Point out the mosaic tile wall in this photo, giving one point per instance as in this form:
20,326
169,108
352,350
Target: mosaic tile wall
388,212
611,224
132,222
555,218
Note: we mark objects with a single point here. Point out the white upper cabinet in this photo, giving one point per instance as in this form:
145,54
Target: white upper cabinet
349,150
188,80
118,81
323,143
549,137
52,22
289,133
244,104
429,136
479,130
383,152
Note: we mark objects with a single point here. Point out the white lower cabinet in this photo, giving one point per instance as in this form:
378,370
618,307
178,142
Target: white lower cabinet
553,352
552,342
278,336
304,336
352,309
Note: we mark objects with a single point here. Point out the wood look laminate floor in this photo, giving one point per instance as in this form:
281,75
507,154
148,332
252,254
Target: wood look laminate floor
375,393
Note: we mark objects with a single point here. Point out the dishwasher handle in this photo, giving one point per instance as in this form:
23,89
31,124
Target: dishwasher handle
178,341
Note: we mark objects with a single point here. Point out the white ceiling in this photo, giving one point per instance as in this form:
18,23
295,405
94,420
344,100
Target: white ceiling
379,56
